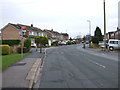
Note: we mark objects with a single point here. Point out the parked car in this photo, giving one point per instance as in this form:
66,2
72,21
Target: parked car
62,42
101,44
113,44
82,41
33,45
87,42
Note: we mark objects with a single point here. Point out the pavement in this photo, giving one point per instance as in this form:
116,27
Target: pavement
23,74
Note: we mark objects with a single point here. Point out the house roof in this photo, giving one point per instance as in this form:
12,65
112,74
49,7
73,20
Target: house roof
64,34
19,26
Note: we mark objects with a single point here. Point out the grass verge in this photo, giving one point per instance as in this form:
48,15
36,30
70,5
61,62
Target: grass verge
7,60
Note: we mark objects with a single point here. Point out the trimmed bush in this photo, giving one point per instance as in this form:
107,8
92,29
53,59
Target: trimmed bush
10,42
55,43
69,43
4,49
27,43
25,50
95,40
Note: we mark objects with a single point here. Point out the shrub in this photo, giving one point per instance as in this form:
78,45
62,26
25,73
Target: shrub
25,50
55,43
4,49
95,40
69,43
10,42
27,43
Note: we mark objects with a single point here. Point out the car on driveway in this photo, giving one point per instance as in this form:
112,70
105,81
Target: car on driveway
33,45
87,42
113,44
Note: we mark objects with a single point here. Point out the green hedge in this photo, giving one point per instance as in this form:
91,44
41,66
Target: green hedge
5,49
55,43
27,43
10,42
25,50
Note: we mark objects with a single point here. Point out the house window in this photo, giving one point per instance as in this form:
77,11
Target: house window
40,34
31,33
35,33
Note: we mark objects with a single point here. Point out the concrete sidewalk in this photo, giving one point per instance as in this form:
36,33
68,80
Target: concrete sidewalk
18,74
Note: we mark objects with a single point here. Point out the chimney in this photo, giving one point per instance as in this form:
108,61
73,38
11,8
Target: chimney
31,25
51,29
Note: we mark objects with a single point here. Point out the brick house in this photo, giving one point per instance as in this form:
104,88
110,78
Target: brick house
117,34
14,32
113,35
64,36
56,36
0,35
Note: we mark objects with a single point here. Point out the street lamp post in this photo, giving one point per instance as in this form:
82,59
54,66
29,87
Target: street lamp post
89,32
89,26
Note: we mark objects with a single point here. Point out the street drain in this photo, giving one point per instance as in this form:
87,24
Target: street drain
19,64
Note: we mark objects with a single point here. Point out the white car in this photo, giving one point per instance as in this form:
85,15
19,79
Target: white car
101,44
33,45
113,44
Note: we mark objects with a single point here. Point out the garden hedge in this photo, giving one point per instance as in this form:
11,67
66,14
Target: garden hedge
10,42
4,49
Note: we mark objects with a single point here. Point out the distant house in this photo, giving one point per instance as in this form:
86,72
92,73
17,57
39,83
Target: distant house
14,31
56,36
113,35
117,34
64,36
0,35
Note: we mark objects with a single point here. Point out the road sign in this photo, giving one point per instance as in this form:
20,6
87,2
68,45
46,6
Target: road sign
88,35
23,29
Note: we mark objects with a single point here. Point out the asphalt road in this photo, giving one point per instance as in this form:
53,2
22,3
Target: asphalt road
75,67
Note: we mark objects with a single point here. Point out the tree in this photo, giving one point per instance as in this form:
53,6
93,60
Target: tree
98,34
70,39
41,41
95,40
84,38
27,43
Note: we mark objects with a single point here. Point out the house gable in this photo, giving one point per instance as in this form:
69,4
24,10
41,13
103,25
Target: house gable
10,32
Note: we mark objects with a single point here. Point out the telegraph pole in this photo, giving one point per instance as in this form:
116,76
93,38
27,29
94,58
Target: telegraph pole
104,25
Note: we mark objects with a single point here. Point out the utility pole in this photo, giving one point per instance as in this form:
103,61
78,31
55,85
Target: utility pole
104,25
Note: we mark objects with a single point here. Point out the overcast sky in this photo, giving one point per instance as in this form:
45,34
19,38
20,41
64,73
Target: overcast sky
62,15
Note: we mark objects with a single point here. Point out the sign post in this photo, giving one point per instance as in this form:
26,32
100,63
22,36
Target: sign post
22,39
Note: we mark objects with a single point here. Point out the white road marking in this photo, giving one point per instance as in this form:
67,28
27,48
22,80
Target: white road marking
98,64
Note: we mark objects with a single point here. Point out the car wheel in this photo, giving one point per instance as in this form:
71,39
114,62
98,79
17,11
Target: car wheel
111,48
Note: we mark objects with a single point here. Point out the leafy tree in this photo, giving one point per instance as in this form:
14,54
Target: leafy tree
27,43
55,43
95,40
98,34
70,39
69,43
84,38
41,41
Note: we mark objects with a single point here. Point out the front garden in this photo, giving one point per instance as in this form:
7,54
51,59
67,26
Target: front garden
10,52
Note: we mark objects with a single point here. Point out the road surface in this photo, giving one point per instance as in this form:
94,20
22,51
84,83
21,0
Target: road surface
75,67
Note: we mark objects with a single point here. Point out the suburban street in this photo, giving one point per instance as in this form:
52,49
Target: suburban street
75,67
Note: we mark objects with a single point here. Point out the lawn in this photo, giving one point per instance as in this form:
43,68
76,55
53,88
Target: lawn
7,60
